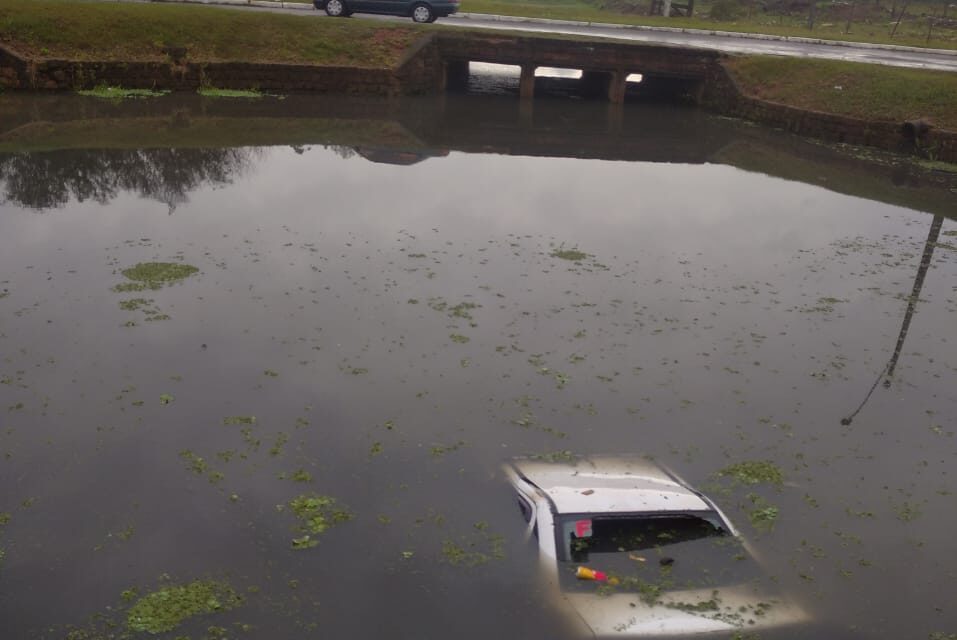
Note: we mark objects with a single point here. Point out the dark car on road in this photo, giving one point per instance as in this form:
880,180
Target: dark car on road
418,10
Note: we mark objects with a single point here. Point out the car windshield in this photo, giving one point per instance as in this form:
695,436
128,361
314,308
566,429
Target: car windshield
669,551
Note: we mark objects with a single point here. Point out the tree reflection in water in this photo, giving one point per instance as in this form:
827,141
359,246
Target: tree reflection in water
47,180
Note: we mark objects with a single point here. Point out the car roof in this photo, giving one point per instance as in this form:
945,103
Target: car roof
609,484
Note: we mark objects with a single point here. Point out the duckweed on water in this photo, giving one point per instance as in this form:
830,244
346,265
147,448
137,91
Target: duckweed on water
554,456
301,475
144,305
477,549
461,310
167,608
574,255
316,514
763,514
439,450
153,275
754,472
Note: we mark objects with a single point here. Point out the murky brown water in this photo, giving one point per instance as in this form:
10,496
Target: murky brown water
400,327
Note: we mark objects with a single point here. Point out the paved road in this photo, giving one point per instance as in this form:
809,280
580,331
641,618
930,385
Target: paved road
719,41
729,43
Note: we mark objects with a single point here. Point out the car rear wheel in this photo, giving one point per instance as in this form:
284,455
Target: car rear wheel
335,8
422,13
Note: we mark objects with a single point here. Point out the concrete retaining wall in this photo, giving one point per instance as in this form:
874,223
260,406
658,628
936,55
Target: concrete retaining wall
645,58
417,72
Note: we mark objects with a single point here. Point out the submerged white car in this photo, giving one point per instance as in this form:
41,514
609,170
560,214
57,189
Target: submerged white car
633,551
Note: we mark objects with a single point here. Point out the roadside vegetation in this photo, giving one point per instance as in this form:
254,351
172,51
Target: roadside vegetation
146,32
870,92
922,24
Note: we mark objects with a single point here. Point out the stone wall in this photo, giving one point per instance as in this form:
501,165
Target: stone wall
416,73
421,69
13,70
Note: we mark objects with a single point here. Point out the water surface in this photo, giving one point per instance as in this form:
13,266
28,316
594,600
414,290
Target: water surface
390,298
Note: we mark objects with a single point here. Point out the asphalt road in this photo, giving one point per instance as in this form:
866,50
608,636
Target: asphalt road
729,43
717,41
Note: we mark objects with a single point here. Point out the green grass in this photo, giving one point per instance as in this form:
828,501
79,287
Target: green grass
870,92
141,32
873,26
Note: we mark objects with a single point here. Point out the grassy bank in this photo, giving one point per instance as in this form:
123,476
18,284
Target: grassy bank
871,22
865,91
134,32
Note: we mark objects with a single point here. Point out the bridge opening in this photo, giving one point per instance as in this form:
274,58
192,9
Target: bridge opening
665,89
486,78
533,81
558,72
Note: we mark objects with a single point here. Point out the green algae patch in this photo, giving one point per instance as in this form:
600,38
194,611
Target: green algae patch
165,609
212,92
470,551
754,472
760,512
316,513
763,515
119,93
574,255
554,456
154,275
134,304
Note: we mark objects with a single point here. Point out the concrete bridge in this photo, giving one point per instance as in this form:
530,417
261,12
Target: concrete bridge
605,65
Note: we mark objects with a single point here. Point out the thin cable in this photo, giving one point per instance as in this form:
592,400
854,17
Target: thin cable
846,421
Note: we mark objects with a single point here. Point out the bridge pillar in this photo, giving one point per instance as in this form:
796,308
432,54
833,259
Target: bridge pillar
526,85
616,86
615,118
526,109
456,74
